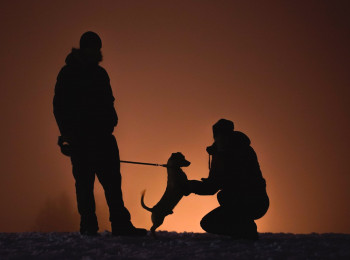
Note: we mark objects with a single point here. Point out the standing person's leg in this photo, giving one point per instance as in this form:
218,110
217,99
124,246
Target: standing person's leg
84,184
108,173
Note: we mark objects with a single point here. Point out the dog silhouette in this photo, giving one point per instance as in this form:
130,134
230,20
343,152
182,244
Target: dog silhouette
176,188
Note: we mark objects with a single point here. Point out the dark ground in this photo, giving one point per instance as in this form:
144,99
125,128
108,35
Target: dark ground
171,245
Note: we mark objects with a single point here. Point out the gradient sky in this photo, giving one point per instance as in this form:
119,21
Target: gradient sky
278,69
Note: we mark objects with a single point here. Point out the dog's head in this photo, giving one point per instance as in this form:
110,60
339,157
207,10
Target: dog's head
177,160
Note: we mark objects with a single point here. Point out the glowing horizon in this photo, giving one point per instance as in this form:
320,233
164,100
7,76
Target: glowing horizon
278,70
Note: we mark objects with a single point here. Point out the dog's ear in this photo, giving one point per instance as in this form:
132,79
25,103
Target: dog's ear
178,159
177,156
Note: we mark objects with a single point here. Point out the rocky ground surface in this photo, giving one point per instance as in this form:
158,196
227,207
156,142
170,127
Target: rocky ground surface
172,245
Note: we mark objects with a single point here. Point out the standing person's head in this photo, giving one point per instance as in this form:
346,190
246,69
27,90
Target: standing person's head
91,44
90,40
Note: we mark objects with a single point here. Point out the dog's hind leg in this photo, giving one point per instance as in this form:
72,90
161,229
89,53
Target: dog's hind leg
157,221
154,227
153,231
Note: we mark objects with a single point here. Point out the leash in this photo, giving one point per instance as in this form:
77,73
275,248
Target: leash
152,164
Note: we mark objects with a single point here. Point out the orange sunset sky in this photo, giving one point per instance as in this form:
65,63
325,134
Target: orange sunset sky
278,69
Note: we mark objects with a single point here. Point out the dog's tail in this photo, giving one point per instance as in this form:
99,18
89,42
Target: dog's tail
143,203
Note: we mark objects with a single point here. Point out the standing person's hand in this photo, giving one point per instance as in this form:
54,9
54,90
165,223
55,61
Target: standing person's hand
64,145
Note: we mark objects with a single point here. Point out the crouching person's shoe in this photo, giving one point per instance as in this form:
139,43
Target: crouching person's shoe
127,230
247,231
245,236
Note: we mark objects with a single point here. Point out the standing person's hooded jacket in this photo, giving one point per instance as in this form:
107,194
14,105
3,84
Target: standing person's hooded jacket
234,170
83,101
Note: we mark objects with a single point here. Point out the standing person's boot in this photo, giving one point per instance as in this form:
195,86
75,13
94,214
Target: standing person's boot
127,229
88,225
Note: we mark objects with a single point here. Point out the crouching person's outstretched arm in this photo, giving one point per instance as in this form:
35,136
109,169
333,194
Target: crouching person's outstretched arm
204,187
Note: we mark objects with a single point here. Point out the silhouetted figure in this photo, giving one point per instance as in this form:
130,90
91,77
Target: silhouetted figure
177,187
235,172
85,114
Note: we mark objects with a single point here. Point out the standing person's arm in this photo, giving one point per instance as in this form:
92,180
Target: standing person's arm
112,113
63,105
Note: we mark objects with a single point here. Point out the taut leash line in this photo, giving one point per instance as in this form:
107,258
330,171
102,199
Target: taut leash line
152,164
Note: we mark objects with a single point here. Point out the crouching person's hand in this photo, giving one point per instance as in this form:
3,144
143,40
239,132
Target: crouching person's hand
190,186
194,186
203,187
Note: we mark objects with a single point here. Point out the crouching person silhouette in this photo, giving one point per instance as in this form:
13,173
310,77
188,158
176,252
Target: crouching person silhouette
86,117
235,173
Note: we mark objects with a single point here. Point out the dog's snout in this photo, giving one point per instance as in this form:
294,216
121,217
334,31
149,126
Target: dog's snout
187,163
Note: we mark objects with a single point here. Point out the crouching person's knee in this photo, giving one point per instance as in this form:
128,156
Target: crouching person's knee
206,224
203,224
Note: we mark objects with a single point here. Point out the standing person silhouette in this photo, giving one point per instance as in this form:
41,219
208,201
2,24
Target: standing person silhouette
235,172
84,110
